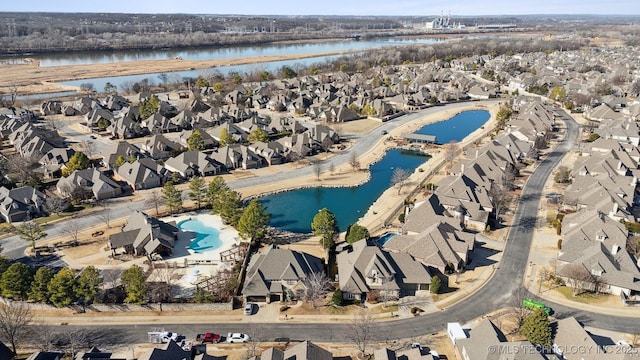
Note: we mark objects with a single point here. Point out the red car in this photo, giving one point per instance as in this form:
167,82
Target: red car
208,338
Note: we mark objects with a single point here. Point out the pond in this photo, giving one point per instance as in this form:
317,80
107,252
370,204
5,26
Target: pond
294,210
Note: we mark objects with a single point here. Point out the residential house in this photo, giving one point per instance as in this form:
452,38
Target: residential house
597,244
122,149
572,342
21,204
485,338
193,163
93,354
88,183
46,355
5,352
304,350
159,147
159,124
208,142
143,173
144,235
52,162
236,156
168,351
366,267
442,245
278,274
408,354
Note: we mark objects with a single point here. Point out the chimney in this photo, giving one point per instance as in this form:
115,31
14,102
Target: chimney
634,181
619,164
614,249
461,169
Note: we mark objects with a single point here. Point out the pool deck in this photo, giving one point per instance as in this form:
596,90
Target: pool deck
181,251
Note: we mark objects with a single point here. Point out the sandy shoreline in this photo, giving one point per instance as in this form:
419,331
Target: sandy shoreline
31,79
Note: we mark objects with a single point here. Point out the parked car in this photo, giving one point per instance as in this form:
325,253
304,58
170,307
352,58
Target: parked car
248,308
208,338
237,338
384,132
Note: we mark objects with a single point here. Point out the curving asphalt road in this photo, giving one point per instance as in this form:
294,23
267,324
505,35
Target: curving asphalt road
495,294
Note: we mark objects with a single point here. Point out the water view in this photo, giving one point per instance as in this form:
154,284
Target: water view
99,83
228,52
294,210
450,130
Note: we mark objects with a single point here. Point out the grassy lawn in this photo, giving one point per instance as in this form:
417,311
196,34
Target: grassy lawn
586,297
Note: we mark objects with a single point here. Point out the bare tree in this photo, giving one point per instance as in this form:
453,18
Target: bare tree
89,148
576,276
43,336
398,177
451,151
13,95
162,286
54,123
105,216
518,312
500,199
317,286
354,162
72,229
317,169
362,331
256,334
154,199
76,339
633,245
21,167
14,321
56,205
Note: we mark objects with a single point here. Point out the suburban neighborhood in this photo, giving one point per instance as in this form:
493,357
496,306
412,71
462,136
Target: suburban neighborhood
148,208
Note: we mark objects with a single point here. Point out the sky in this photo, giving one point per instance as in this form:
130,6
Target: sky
333,7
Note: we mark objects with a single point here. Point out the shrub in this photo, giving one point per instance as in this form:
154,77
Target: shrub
435,285
559,244
401,218
284,308
416,310
337,298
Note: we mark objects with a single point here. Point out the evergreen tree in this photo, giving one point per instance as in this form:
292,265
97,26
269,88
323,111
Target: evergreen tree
197,190
215,188
172,197
16,281
537,328
133,280
39,291
195,142
356,232
88,284
254,220
79,161
325,225
31,231
228,205
61,288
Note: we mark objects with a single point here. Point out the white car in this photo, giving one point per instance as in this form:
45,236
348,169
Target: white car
237,338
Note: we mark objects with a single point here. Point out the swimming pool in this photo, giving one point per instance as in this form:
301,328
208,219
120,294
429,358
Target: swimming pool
207,238
384,238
